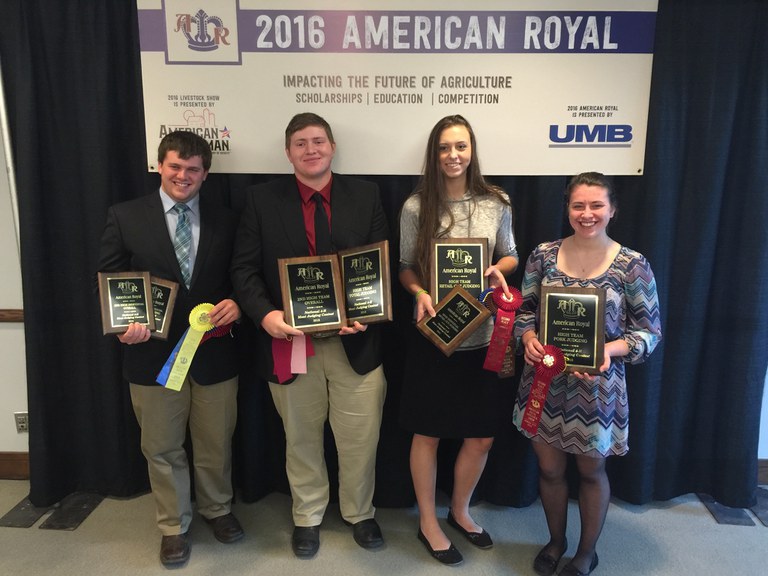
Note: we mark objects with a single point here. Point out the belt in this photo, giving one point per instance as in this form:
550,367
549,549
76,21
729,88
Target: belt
325,334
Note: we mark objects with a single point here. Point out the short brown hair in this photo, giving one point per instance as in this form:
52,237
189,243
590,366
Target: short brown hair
186,144
305,120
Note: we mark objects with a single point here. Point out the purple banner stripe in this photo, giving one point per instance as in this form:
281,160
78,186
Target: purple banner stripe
152,31
429,31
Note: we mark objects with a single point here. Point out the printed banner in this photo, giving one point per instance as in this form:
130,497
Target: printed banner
551,87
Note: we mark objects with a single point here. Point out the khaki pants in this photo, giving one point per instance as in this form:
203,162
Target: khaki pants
211,412
352,403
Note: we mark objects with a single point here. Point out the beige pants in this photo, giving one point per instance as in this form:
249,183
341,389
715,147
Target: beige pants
331,390
211,412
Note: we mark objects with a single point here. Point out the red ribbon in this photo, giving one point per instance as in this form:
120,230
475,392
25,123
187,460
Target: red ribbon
502,329
281,357
550,366
217,332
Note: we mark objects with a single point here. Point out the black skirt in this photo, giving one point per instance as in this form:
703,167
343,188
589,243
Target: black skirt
452,397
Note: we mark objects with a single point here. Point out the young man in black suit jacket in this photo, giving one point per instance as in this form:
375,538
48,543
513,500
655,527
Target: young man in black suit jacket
344,382
139,236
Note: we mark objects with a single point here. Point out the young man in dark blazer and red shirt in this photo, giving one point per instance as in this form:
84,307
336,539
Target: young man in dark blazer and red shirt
344,382
139,235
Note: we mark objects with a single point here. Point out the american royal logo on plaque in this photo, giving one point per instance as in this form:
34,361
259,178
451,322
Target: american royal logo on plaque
458,262
313,300
367,291
324,293
163,299
573,319
125,298
457,316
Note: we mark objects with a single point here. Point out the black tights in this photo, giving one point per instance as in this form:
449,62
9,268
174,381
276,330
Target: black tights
594,495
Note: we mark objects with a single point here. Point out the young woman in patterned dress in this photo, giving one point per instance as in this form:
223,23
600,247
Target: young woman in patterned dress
585,415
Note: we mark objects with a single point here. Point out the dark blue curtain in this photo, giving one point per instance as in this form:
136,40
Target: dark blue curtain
74,101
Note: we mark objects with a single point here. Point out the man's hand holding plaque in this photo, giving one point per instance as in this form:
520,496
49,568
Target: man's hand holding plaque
126,299
313,300
337,292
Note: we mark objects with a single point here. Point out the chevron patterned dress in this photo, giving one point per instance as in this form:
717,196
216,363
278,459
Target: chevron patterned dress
584,417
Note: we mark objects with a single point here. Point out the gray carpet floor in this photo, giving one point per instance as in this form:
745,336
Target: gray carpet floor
678,537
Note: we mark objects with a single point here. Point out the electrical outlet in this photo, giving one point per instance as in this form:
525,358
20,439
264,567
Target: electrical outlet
22,422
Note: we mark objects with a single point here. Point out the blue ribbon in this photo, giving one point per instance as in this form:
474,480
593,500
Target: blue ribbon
162,377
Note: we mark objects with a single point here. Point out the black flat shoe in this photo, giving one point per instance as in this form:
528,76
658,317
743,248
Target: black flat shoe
450,557
480,539
571,570
545,564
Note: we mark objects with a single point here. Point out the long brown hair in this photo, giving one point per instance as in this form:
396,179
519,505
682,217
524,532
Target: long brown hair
431,186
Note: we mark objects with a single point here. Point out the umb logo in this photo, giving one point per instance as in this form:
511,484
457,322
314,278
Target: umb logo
203,32
586,136
459,256
571,308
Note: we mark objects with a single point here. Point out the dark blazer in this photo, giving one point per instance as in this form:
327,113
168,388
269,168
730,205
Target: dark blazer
136,238
272,227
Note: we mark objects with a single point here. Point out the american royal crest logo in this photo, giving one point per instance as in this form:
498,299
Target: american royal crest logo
310,274
203,32
463,309
361,264
571,308
127,287
459,256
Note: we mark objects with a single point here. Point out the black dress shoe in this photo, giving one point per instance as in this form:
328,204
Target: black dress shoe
174,549
367,534
226,528
450,556
479,539
305,541
545,564
571,570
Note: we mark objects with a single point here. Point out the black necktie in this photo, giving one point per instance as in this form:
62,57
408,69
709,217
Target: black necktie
322,232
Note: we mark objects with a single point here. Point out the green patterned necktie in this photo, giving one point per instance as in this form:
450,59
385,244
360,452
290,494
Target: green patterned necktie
182,243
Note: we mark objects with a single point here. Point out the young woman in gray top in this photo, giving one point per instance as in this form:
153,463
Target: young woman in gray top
452,397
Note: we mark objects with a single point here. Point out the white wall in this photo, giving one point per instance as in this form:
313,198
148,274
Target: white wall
13,375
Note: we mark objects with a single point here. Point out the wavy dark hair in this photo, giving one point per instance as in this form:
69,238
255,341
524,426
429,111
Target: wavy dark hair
431,187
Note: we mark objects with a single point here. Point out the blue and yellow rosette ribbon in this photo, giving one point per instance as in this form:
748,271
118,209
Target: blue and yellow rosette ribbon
175,370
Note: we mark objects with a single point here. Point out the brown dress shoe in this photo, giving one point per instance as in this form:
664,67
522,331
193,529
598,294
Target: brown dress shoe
226,528
174,549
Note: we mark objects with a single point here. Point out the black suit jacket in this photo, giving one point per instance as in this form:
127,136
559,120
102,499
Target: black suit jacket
272,227
136,238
